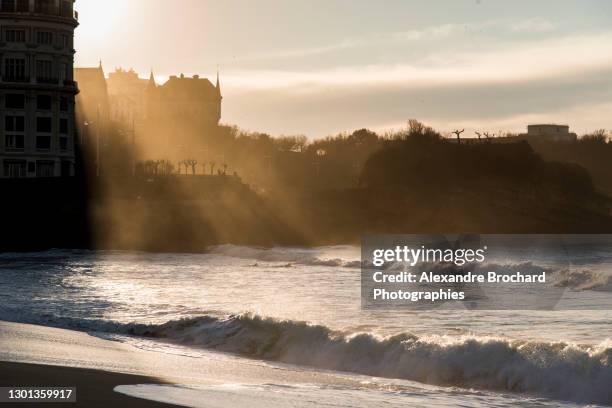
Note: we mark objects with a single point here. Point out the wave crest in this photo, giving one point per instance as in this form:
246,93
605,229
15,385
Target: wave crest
555,370
285,256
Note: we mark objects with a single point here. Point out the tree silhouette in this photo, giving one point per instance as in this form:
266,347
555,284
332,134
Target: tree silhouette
156,165
166,167
224,169
458,133
212,167
190,163
149,167
479,135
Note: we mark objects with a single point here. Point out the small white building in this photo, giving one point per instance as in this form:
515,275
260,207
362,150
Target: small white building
550,132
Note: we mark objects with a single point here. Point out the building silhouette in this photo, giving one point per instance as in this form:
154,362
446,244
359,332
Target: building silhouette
37,90
92,104
181,116
127,93
551,133
168,120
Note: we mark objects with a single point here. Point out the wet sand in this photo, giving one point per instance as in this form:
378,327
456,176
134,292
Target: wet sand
94,387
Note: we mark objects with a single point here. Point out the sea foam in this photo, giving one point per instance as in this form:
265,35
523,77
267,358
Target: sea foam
555,370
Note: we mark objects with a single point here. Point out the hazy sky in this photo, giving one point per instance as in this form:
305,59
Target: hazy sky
318,67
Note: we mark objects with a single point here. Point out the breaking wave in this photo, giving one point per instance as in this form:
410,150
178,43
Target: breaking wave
563,371
555,370
285,256
585,280
566,277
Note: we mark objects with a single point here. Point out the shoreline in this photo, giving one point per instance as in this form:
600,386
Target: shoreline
35,355
95,388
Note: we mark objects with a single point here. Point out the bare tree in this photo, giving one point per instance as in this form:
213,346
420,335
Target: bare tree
166,167
191,163
212,167
479,135
224,169
458,133
184,163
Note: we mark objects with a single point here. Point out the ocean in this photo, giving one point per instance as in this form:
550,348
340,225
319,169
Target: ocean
301,307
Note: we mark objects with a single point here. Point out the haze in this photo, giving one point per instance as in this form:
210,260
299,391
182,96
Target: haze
322,67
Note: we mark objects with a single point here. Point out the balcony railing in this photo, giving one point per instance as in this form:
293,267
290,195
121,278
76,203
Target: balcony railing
9,78
44,80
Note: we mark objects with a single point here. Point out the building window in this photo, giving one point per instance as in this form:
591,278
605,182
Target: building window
44,125
64,104
44,71
63,143
63,125
14,128
14,123
31,167
44,102
15,69
63,72
44,37
45,7
67,9
43,142
12,5
45,168
14,168
14,101
14,142
15,35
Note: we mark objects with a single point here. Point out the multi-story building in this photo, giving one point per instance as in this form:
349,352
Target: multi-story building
182,116
37,90
92,104
127,93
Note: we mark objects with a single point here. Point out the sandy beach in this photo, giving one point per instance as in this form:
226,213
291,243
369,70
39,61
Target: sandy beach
67,358
33,355
95,387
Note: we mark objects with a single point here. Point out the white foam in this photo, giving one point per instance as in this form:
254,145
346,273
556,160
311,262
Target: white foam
317,396
556,370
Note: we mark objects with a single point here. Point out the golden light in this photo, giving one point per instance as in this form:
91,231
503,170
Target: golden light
100,19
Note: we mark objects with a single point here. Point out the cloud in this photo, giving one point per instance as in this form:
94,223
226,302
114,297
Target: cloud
321,111
535,25
559,57
490,29
555,80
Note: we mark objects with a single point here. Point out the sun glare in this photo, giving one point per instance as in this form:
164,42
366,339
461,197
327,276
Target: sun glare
97,18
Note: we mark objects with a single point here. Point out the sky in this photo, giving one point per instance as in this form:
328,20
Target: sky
321,67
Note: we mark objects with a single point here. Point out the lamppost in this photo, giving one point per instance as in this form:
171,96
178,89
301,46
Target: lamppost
87,125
